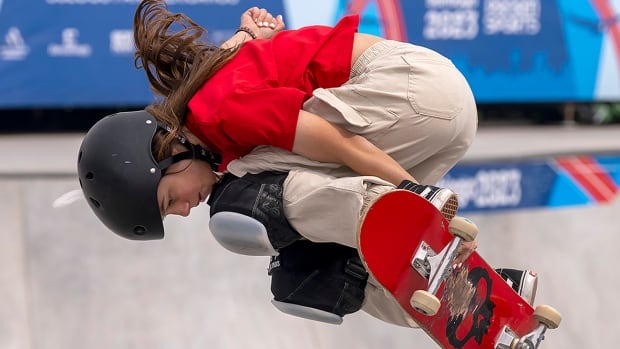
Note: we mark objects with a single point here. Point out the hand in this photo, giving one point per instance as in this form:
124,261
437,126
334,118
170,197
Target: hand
464,251
261,22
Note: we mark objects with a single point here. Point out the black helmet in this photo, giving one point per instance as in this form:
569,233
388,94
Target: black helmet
119,175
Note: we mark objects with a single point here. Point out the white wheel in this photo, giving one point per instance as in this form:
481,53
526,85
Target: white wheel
425,302
548,316
463,228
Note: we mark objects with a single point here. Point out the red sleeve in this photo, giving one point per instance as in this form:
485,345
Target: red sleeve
315,56
261,117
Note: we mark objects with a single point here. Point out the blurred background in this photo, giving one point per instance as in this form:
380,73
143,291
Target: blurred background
541,180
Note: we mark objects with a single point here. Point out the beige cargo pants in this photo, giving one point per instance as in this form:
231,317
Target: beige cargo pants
409,101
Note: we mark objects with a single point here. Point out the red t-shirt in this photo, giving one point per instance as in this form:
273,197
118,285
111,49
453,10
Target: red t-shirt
255,98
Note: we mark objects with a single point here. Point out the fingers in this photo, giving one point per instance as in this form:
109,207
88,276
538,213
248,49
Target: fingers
279,23
465,250
261,22
264,19
473,245
267,22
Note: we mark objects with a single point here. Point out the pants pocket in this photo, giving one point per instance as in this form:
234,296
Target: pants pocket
436,88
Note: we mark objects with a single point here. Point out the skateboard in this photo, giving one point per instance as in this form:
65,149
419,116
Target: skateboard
409,248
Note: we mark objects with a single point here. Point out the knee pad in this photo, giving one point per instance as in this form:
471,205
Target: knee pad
318,281
241,234
259,198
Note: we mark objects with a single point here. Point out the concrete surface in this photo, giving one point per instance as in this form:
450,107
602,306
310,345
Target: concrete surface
66,282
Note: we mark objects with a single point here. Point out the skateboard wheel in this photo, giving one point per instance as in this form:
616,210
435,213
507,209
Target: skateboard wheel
547,316
463,228
425,302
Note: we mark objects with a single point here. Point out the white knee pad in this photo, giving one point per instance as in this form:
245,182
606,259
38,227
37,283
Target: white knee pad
241,234
307,312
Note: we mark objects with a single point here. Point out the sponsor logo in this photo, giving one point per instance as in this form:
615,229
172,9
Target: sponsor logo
14,48
487,188
274,263
69,45
121,42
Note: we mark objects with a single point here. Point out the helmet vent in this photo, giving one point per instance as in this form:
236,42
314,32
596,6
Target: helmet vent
95,202
139,230
79,157
90,175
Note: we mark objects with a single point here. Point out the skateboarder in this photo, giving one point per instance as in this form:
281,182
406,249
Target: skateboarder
357,115
118,176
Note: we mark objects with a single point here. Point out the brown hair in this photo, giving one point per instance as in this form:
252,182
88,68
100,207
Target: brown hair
177,62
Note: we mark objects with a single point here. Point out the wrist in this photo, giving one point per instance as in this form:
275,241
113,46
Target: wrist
246,32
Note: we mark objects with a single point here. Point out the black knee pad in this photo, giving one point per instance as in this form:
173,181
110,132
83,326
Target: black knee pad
324,276
258,196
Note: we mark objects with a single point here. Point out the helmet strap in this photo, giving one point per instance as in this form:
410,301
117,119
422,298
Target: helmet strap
200,153
167,162
194,151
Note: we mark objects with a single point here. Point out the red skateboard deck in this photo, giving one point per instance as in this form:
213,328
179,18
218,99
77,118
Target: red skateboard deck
478,308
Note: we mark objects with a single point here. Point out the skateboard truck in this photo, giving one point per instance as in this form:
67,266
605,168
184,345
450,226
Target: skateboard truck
509,340
437,266
547,317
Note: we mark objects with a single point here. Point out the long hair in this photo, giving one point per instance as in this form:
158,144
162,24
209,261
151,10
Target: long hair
172,50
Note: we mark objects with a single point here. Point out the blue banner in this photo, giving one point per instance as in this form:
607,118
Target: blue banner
512,50
501,186
551,182
68,53
526,50
65,53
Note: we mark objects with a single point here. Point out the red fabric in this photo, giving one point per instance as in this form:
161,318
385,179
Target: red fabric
256,97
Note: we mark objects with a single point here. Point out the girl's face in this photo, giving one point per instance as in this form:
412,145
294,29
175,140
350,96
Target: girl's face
184,186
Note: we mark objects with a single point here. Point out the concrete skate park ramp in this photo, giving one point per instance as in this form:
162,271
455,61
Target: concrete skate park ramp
68,283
